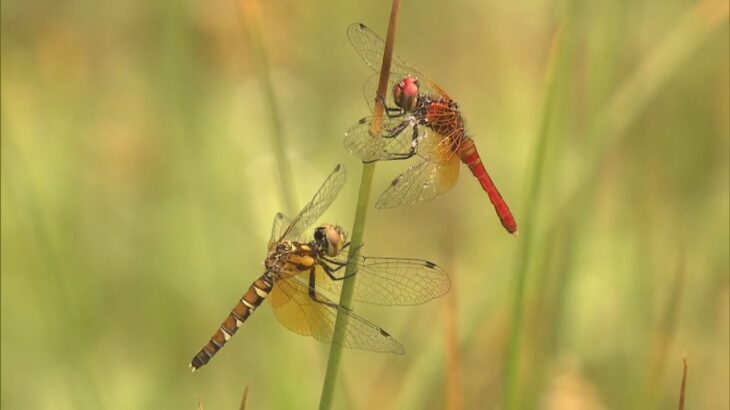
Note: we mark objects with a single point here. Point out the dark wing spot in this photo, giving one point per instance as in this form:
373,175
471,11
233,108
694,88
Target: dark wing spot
384,333
430,264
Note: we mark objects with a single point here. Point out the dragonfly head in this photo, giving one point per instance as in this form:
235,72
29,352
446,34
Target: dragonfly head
330,239
405,93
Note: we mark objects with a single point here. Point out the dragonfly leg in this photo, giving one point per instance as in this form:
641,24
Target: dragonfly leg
394,112
345,246
400,156
337,263
330,271
415,139
313,291
397,130
340,263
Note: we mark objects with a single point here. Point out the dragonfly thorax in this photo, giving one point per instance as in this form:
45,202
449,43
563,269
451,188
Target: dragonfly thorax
442,115
277,258
329,239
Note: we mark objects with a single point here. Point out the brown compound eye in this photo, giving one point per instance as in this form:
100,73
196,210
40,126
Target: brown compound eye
335,240
320,234
330,239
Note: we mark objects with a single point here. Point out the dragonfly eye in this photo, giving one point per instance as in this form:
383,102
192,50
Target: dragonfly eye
331,239
405,93
319,233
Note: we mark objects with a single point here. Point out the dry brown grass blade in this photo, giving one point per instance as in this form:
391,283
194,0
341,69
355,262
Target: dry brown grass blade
454,383
683,388
245,397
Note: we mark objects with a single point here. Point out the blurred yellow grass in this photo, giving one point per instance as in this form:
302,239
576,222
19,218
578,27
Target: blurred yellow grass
139,183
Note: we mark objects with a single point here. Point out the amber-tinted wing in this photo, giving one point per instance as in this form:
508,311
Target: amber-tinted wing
421,182
318,205
390,281
298,312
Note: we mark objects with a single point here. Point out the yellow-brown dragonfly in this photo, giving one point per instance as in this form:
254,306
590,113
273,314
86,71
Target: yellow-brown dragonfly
302,280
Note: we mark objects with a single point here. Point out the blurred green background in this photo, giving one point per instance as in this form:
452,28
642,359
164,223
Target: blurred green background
139,181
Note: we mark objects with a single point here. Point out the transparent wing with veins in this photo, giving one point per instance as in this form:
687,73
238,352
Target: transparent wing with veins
317,206
398,139
281,222
371,48
389,281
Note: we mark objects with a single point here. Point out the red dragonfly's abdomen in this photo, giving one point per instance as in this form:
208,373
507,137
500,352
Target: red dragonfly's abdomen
243,309
444,118
470,156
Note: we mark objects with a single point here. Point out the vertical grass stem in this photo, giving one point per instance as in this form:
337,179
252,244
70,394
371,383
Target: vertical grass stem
363,201
525,251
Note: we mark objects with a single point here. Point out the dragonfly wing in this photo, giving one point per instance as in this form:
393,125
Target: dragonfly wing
392,281
433,87
371,47
421,182
399,281
395,140
370,90
318,205
297,311
281,222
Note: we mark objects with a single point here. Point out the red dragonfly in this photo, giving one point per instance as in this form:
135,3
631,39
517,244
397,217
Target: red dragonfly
302,281
421,120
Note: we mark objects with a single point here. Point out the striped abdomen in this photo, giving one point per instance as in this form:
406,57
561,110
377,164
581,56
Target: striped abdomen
470,157
243,309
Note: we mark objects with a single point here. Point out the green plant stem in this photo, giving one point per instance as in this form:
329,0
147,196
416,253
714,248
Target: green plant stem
525,251
252,18
348,287
363,200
